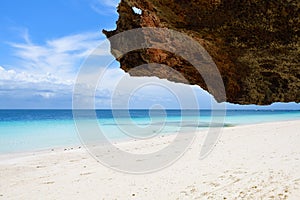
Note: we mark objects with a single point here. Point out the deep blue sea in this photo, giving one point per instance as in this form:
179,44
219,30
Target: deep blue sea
30,130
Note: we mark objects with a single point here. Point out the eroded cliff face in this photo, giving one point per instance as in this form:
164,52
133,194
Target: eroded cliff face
255,43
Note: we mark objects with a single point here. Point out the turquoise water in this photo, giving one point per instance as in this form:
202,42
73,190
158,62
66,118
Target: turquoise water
28,130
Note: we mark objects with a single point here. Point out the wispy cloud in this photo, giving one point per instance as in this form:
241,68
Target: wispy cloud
104,7
48,70
60,56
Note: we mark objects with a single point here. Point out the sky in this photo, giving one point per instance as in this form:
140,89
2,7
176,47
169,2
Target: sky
44,44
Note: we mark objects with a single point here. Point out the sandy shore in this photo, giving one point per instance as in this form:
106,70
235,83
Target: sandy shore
259,161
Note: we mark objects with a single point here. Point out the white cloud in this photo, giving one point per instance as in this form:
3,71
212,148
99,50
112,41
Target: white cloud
76,42
23,85
21,77
104,7
48,70
61,56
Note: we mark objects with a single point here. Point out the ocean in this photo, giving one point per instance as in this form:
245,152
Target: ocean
31,130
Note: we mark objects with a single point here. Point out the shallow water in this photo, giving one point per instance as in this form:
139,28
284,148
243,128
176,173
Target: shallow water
29,130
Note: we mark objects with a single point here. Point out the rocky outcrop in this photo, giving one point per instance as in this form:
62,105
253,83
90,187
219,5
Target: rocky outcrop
254,43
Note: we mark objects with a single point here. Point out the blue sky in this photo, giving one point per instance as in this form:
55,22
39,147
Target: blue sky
43,43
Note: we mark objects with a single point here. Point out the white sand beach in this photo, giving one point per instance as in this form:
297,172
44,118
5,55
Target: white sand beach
260,161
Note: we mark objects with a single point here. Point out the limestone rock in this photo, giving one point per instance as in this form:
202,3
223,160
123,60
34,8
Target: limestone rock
254,43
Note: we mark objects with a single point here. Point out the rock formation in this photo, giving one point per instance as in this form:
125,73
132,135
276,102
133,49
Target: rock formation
254,43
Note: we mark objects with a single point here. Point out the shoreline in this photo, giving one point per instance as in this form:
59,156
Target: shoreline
122,141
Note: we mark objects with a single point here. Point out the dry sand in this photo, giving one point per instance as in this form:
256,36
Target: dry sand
259,161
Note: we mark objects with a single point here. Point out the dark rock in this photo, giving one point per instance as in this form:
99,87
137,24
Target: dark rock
255,44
